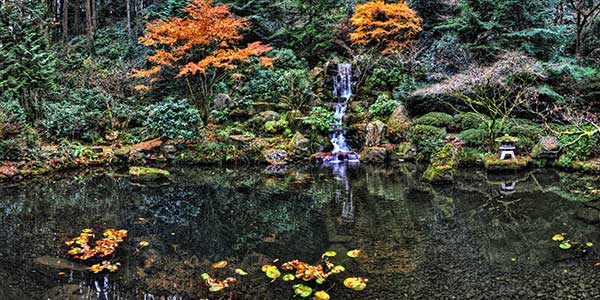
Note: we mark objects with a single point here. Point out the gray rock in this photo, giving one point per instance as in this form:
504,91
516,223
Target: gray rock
275,156
269,115
221,101
300,144
374,133
168,151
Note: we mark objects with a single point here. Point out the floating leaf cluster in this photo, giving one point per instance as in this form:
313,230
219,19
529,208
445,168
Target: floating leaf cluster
215,285
82,250
318,273
567,244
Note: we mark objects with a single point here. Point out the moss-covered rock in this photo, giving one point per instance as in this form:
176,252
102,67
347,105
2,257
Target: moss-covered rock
374,154
374,133
139,173
441,168
494,163
404,151
427,139
398,124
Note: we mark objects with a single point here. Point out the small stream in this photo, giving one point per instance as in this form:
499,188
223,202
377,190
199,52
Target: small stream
474,239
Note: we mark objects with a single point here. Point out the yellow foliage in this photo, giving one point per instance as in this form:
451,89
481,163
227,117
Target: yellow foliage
389,27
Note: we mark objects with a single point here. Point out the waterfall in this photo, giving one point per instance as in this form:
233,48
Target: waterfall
342,89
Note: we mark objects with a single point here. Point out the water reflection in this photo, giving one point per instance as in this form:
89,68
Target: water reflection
408,230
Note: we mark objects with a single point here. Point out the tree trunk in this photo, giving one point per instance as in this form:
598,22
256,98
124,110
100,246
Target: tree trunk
128,7
65,20
77,20
89,25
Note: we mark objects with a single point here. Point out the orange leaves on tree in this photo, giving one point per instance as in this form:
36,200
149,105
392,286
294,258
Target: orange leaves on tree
206,39
387,26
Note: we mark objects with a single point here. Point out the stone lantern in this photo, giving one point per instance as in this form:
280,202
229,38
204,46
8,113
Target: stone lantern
507,147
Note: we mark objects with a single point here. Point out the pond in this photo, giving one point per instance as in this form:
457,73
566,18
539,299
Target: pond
483,237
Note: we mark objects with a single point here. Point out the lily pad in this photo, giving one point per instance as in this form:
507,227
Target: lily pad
356,283
329,254
565,246
302,290
288,277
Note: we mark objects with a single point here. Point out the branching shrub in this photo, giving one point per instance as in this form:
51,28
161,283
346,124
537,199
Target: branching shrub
469,120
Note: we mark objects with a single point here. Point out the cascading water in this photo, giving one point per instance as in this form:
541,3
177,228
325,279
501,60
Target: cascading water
342,89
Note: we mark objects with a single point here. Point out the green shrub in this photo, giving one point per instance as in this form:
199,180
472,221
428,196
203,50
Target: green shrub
436,119
428,140
474,137
12,117
276,126
84,110
174,119
383,107
17,139
320,119
468,120
528,132
577,147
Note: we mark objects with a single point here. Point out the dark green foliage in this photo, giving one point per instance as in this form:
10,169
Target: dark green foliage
320,119
78,116
17,139
27,65
436,119
383,107
468,120
428,140
528,132
174,119
288,80
489,26
474,137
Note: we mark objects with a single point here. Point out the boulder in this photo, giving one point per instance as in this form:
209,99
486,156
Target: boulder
141,174
275,156
373,154
398,124
588,215
441,168
547,147
269,115
299,144
221,101
123,153
374,133
168,151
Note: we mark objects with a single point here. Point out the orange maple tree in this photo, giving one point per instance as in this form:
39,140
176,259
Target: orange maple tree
386,26
203,48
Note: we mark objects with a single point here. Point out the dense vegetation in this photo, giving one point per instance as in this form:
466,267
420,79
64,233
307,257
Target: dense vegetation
229,79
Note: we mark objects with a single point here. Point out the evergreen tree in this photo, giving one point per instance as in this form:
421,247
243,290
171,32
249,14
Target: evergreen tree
27,64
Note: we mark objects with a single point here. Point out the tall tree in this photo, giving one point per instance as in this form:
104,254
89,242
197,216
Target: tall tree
27,64
202,48
586,12
65,20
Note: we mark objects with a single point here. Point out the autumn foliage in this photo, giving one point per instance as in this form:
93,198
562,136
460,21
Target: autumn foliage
205,42
387,27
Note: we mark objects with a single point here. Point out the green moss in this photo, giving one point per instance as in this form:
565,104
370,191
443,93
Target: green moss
468,120
507,139
441,168
493,162
148,173
427,139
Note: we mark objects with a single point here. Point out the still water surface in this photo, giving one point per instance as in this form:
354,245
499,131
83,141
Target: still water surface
474,239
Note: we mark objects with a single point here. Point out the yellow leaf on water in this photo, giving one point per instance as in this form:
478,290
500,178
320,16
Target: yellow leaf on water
220,265
354,253
144,243
558,237
241,272
322,295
